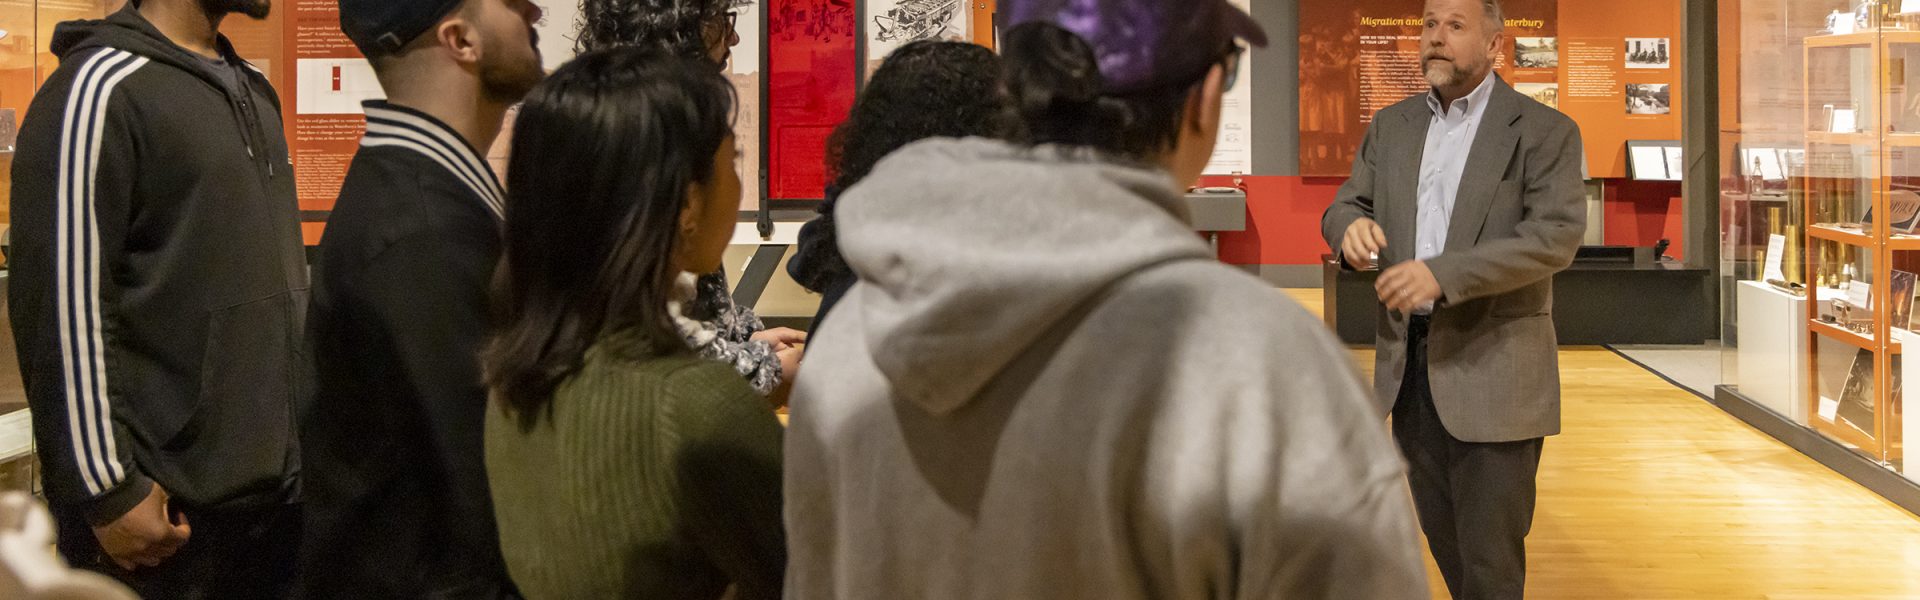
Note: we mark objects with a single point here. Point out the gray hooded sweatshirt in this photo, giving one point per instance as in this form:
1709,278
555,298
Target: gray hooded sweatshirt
1044,387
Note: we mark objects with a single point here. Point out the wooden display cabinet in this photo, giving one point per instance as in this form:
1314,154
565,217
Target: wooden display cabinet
1849,176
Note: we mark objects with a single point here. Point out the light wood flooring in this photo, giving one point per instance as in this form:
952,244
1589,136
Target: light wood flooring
1653,493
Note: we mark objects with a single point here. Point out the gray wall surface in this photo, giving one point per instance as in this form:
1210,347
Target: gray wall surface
1276,89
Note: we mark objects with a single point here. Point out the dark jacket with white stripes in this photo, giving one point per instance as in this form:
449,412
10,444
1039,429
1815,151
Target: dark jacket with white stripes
158,280
397,502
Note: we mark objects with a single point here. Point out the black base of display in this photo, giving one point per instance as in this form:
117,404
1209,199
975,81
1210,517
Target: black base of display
1593,304
1869,474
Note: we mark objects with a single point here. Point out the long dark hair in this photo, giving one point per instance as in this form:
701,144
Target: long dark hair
1056,84
677,26
604,153
925,89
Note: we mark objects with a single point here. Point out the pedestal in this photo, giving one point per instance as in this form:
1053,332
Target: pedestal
1772,353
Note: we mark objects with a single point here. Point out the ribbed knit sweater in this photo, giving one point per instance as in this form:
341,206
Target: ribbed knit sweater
653,477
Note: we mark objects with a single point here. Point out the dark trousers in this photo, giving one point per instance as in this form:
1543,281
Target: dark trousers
230,554
1475,500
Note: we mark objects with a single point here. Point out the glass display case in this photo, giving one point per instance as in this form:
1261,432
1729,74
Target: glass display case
1820,202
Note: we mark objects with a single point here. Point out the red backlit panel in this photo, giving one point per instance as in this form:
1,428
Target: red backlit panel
810,77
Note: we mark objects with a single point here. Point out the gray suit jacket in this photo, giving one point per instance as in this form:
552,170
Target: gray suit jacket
1518,219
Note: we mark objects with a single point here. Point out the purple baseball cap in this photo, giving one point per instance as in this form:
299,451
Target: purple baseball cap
1143,44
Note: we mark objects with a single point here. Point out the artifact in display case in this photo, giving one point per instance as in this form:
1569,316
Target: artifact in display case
1855,407
1869,15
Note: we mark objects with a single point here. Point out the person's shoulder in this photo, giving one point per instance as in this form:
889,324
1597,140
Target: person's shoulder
630,361
702,396
690,377
402,194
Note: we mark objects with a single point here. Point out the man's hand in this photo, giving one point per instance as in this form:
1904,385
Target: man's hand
781,338
1407,286
144,536
1363,243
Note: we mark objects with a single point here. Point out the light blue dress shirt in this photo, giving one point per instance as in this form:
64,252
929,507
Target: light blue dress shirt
1450,136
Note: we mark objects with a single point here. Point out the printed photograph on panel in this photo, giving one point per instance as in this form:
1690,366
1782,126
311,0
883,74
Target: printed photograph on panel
1648,53
1649,99
1536,52
1544,93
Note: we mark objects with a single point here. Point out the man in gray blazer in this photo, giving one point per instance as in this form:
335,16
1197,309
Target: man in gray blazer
1470,198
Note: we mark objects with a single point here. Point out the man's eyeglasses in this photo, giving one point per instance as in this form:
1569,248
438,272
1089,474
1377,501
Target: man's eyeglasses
1231,64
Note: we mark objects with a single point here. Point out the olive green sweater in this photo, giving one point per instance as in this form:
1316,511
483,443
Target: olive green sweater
653,477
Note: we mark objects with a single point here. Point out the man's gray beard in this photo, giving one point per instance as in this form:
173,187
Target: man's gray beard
1443,75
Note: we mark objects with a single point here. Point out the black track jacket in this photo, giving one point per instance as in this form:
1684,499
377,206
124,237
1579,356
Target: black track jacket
396,481
158,280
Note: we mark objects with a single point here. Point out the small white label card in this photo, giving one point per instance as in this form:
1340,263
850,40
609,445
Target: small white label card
1845,121
1860,295
1829,409
1776,252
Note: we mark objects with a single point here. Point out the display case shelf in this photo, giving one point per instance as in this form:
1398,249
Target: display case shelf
1904,243
1865,39
1865,138
1858,39
1863,342
1843,138
1843,236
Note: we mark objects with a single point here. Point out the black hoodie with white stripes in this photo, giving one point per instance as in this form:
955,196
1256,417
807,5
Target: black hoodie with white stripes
159,282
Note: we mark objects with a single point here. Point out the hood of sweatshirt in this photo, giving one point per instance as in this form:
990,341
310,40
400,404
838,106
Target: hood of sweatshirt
127,30
969,251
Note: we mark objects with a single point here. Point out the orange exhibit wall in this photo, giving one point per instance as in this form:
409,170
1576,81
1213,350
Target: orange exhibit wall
1358,57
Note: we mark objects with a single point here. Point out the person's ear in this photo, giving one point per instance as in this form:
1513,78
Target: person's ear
460,38
1493,45
695,206
1202,116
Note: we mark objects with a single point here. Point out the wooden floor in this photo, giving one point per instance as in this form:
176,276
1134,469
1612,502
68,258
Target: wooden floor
1653,493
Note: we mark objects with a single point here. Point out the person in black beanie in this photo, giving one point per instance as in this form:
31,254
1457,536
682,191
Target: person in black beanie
397,502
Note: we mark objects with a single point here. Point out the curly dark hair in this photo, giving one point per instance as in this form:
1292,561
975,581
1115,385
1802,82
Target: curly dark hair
926,89
678,26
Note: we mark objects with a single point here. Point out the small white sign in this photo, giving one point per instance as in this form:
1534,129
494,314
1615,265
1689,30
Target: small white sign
1860,295
1845,121
1829,409
1776,252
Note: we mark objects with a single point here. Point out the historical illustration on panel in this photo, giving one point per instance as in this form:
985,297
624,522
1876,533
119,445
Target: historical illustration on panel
891,24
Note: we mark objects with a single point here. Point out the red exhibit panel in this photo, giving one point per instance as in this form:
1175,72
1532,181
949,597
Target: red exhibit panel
812,63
